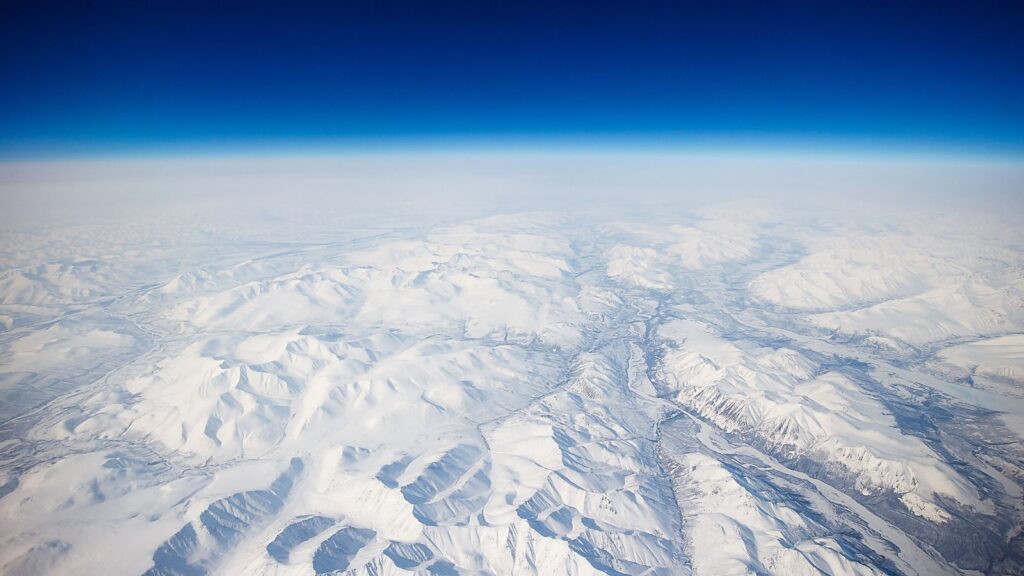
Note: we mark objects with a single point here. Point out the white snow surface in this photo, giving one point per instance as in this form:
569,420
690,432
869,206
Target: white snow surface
337,383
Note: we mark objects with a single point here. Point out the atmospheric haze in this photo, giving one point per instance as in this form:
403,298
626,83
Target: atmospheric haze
512,362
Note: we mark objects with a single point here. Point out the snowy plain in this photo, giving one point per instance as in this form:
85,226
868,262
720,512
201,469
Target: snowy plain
512,363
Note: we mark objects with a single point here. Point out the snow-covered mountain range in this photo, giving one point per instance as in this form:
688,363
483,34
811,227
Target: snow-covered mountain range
738,388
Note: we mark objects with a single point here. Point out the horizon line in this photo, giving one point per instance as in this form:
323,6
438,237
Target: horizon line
742,145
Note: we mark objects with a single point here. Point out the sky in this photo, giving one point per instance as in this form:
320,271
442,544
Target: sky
80,77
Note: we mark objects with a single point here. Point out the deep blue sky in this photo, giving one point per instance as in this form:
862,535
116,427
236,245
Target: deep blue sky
80,76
